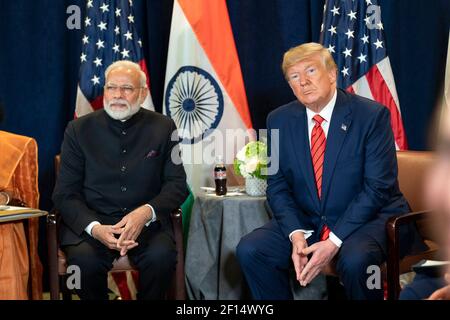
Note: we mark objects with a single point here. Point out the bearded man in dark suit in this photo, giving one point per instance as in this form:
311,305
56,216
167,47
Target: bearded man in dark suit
118,183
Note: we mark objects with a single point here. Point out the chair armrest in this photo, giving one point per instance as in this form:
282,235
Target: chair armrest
393,248
403,219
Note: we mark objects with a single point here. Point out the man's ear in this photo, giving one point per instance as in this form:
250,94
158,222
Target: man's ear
332,74
144,93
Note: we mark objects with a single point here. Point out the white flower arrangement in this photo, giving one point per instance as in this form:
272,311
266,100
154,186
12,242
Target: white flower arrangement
252,160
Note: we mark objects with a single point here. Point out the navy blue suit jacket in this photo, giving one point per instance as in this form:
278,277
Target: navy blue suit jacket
359,184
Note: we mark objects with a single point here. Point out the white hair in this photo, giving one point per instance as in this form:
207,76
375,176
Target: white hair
128,65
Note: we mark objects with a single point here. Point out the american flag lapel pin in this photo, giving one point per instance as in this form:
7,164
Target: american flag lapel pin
344,127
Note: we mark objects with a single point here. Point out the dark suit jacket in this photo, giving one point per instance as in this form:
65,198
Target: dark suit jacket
109,168
359,183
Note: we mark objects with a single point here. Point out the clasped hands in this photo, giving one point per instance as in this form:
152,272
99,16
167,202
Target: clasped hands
128,228
322,253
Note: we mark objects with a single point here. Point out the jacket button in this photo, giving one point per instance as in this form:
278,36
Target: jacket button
123,188
324,218
124,132
124,150
123,169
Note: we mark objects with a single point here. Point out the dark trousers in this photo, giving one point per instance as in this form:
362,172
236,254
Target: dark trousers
154,257
422,287
265,259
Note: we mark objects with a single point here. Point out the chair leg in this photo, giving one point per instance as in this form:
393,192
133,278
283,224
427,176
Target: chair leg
54,286
179,285
178,291
52,247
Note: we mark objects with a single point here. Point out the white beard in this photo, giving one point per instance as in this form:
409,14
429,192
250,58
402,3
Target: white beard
124,114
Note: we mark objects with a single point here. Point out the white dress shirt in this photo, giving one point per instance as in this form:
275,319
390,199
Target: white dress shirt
326,114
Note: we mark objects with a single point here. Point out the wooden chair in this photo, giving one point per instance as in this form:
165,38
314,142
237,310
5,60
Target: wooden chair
58,265
412,169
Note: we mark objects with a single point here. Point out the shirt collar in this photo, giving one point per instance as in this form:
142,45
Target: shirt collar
326,112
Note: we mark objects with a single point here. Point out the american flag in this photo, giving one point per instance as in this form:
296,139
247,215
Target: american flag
352,31
109,35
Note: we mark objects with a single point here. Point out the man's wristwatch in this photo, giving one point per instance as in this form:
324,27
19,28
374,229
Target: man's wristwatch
4,198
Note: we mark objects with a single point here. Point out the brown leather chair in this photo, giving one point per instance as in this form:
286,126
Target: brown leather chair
58,265
412,169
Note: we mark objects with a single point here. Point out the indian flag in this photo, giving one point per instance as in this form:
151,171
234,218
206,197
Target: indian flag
204,89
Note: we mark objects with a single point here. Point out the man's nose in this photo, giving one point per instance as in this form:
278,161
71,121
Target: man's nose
303,81
118,94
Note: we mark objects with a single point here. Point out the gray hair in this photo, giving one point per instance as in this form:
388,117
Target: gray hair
128,65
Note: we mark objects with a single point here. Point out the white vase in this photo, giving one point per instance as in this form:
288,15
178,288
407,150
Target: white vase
255,187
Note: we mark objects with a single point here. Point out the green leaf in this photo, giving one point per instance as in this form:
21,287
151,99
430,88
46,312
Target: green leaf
236,165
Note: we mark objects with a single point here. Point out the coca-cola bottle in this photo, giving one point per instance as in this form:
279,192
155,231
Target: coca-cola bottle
220,176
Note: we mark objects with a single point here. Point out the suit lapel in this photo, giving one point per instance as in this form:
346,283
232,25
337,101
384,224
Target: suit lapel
337,132
299,138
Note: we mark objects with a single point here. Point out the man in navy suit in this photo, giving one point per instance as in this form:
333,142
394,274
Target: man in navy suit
335,188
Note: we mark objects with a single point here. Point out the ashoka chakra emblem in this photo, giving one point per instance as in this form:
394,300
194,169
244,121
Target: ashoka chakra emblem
194,101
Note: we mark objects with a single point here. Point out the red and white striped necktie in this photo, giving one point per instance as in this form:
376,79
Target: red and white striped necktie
318,144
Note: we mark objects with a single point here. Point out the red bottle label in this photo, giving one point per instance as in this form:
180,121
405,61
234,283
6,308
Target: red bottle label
220,175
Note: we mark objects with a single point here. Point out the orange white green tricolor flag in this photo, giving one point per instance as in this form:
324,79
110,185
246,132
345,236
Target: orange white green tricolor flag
204,89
